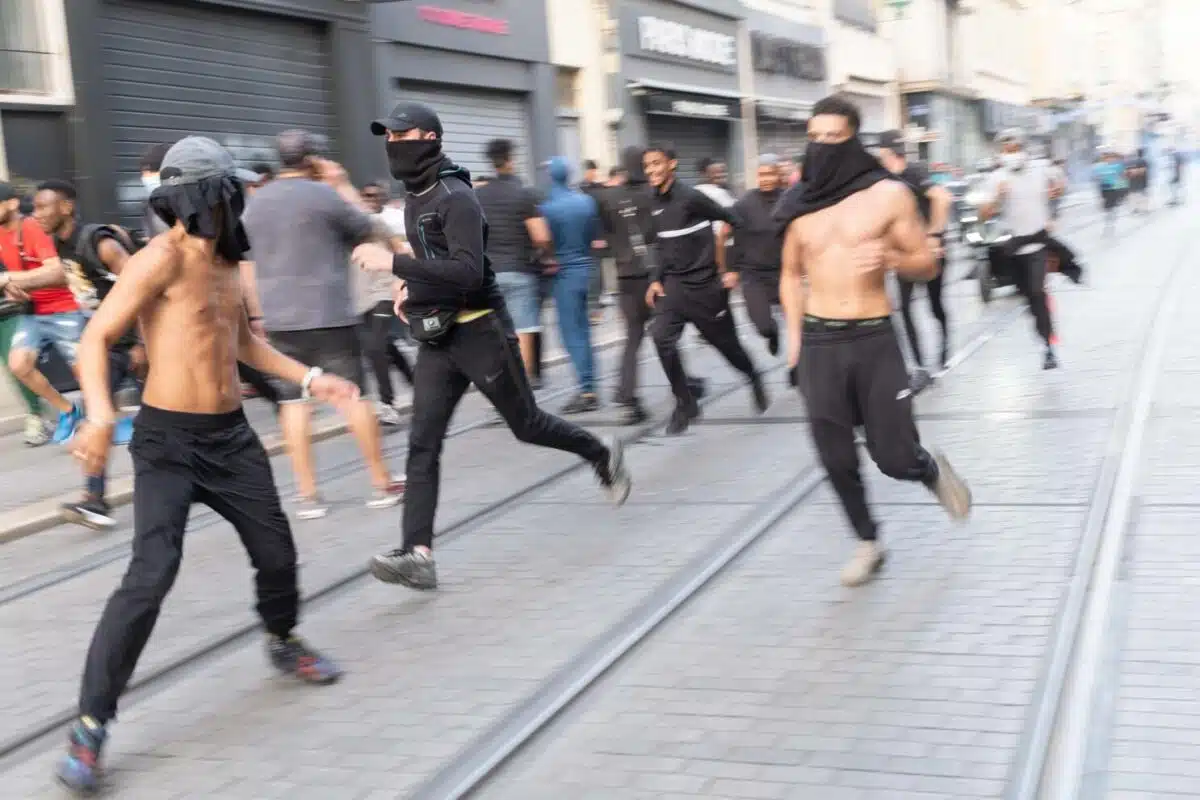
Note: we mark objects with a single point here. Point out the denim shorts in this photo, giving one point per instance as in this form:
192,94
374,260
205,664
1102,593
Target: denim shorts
521,298
38,332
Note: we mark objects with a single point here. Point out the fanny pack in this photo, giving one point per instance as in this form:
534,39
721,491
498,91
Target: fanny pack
430,327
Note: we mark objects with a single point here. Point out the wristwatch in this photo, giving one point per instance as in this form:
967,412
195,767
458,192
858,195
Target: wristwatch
310,376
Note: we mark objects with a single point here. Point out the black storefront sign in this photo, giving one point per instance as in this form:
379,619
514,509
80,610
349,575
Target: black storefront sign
775,55
680,105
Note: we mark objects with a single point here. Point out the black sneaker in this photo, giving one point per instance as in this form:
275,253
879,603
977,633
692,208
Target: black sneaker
410,568
583,403
90,512
761,401
292,656
773,343
681,418
698,387
613,474
79,770
634,414
1050,361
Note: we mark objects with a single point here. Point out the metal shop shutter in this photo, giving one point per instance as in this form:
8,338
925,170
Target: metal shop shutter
783,139
693,139
471,119
175,69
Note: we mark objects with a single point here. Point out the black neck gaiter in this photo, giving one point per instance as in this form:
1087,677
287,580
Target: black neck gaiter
415,162
831,173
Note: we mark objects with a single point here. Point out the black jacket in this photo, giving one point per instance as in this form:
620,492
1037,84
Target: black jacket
448,234
758,246
628,228
683,218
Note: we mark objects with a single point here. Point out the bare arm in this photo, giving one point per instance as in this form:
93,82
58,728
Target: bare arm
145,276
256,352
909,253
940,202
249,281
723,231
539,233
113,255
50,274
791,290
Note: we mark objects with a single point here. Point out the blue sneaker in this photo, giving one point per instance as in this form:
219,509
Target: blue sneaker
67,423
123,431
79,769
292,656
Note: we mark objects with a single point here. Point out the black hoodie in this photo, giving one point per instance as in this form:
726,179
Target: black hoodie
625,215
448,234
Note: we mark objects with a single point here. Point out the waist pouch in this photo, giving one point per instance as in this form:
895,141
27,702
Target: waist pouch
430,327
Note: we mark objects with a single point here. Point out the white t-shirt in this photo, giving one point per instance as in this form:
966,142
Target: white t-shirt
371,288
1025,208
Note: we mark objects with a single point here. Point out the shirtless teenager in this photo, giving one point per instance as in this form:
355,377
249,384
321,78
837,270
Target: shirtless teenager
846,224
191,442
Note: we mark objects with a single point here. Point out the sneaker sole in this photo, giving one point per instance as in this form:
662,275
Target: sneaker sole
385,502
87,519
313,514
385,574
957,499
871,574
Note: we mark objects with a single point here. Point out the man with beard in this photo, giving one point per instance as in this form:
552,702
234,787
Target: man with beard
192,442
845,227
757,250
456,312
689,283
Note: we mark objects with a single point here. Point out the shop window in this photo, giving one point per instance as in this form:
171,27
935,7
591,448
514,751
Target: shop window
567,88
33,58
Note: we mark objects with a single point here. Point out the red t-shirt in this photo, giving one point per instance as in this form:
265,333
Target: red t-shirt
36,246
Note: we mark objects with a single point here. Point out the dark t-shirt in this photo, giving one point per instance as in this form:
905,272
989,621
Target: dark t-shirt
87,277
506,204
917,178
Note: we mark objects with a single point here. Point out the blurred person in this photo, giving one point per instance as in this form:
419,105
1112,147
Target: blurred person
573,219
757,251
845,228
1178,162
448,292
591,180
13,307
1109,173
715,182
193,442
149,165
518,241
595,188
303,279
1058,174
255,384
1137,171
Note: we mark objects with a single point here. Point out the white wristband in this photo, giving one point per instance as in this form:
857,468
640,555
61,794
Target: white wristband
312,374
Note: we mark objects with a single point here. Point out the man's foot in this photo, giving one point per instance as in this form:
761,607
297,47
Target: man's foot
310,507
1050,361
36,434
698,387
79,769
412,568
773,343
293,656
90,512
951,490
68,421
389,496
761,401
613,474
388,415
634,414
582,403
682,417
867,560
123,431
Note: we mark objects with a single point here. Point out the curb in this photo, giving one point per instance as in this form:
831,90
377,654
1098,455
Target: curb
46,514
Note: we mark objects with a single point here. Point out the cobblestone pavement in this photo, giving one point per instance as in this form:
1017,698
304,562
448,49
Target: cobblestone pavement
775,682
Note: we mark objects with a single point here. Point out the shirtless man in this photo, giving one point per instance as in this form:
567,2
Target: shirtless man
847,222
192,442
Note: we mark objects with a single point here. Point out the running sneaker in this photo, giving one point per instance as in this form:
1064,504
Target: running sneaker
310,507
1051,360
582,403
90,512
123,431
681,418
634,414
613,474
390,496
68,421
412,568
293,656
388,415
699,387
867,560
79,769
951,490
36,434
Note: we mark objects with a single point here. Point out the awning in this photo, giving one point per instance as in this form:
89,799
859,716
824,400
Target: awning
647,86
694,104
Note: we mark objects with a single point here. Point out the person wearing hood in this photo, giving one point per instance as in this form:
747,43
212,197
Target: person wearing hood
448,292
573,218
758,248
845,225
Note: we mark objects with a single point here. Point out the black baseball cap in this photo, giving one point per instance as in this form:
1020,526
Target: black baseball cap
892,140
407,116
7,192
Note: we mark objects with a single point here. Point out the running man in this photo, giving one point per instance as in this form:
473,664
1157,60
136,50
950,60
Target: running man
757,250
846,227
192,442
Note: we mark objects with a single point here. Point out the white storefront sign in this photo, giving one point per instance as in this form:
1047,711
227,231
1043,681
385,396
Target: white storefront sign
690,108
683,41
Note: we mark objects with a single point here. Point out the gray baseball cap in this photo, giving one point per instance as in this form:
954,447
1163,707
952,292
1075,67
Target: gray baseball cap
197,158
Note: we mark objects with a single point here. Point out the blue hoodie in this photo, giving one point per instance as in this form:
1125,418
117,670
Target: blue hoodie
573,218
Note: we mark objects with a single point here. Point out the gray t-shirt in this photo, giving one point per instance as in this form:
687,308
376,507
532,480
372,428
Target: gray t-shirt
302,232
1025,209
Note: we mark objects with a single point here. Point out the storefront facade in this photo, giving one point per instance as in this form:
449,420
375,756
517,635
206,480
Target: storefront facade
789,75
239,71
678,84
484,68
945,128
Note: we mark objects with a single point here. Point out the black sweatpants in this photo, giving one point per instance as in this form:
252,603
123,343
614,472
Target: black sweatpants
706,307
1029,271
636,313
380,349
852,373
483,352
261,383
933,288
180,459
761,293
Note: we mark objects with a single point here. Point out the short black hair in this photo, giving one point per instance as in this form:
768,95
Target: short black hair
703,164
499,152
294,146
838,106
64,189
589,164
152,159
264,169
667,150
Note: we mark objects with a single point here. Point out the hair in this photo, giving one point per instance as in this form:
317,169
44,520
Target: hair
667,150
589,165
265,170
838,106
152,159
64,189
703,164
295,146
499,152
615,171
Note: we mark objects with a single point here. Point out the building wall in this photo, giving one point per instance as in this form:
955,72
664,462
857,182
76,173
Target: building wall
577,31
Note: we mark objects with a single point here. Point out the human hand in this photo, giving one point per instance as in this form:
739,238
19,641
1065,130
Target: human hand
335,391
867,257
330,172
729,280
373,257
654,292
399,297
15,293
91,444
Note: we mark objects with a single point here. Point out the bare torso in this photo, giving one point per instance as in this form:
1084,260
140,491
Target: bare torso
191,331
832,241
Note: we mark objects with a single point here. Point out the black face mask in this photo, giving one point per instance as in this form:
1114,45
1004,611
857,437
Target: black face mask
827,167
197,204
415,162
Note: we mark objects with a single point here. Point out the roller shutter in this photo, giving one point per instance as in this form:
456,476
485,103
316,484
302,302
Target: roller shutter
784,139
693,139
471,118
240,77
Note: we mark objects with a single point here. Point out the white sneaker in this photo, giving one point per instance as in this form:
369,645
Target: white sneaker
36,433
310,507
388,497
867,560
388,415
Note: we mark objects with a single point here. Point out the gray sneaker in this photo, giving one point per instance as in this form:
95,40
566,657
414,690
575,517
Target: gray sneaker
951,490
613,474
310,507
36,433
411,568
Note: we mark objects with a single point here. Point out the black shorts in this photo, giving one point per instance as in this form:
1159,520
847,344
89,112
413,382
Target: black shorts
336,351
